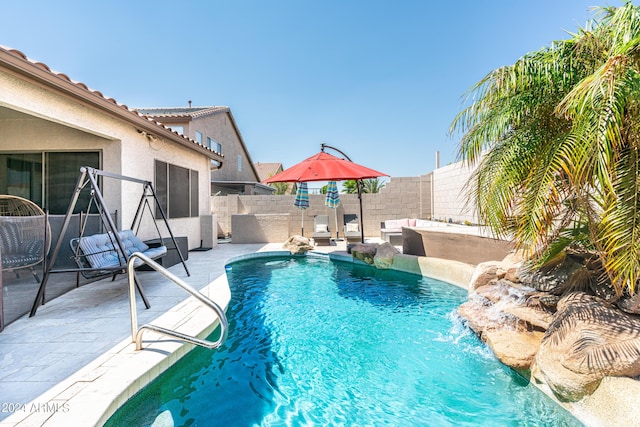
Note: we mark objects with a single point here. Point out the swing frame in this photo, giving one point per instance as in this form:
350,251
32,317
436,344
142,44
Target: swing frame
89,176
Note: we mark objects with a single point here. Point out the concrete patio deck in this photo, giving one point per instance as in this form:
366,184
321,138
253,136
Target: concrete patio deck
74,329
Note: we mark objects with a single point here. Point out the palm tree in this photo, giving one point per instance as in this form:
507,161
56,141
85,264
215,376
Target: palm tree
281,187
350,186
372,185
556,138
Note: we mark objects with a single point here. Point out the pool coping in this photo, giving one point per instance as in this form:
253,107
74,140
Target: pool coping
94,393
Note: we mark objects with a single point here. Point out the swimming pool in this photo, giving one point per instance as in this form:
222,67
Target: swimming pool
313,341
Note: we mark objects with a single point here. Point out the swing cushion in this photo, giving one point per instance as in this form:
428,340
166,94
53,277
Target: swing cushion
100,251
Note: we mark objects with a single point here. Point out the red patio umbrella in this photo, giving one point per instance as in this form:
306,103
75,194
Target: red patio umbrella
326,167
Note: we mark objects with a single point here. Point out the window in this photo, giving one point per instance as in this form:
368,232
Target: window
179,129
239,163
199,137
215,146
46,178
177,190
21,175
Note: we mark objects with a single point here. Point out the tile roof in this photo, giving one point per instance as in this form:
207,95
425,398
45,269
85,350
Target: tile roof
265,170
13,58
182,114
176,112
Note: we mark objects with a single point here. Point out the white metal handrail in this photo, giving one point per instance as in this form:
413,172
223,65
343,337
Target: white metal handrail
136,334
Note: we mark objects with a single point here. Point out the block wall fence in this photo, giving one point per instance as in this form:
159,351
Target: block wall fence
437,195
450,194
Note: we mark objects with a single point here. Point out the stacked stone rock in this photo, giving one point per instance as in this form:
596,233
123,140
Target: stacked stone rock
567,339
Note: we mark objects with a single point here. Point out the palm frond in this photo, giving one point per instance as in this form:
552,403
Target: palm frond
556,138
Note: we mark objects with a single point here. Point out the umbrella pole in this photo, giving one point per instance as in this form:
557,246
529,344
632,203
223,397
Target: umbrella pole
359,185
337,230
302,228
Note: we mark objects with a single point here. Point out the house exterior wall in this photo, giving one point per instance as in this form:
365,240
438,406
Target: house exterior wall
169,153
58,123
38,134
220,127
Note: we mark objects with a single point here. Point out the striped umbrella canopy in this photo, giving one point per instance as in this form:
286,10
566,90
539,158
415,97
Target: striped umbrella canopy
333,197
302,200
333,201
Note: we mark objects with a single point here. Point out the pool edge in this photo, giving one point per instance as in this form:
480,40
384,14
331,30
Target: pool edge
95,392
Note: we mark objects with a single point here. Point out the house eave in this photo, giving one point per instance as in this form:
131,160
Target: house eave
16,63
254,183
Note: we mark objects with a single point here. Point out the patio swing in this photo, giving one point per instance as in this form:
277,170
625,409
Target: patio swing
107,253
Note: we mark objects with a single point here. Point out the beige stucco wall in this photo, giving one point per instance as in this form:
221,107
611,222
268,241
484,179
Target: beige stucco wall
59,123
260,228
437,242
37,134
455,272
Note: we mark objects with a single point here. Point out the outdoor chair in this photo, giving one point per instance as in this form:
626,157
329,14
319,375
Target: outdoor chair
24,234
352,232
16,251
321,233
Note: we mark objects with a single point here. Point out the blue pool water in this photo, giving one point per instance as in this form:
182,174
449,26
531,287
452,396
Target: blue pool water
315,342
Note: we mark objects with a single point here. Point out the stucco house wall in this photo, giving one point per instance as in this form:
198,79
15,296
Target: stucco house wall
220,126
215,127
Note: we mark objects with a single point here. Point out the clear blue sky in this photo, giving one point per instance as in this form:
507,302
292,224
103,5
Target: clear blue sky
381,80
